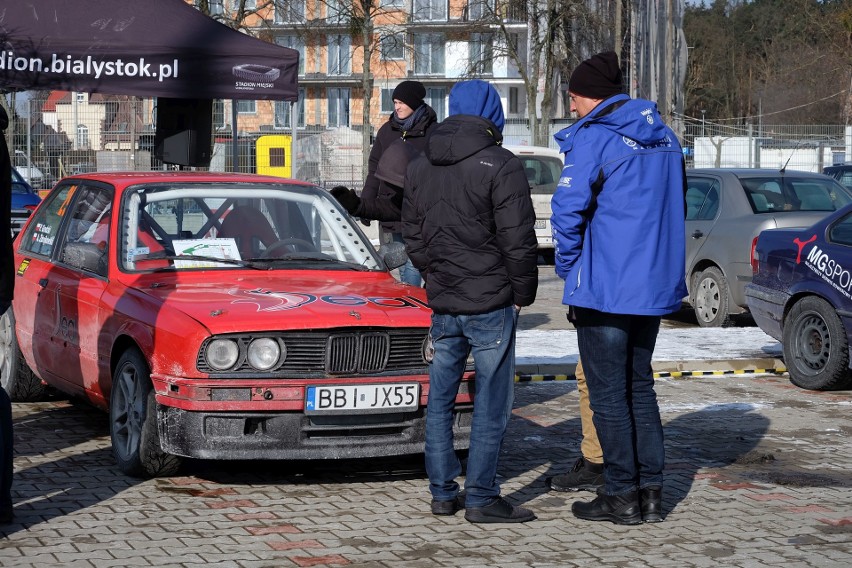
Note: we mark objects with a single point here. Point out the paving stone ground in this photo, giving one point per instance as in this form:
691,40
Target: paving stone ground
759,473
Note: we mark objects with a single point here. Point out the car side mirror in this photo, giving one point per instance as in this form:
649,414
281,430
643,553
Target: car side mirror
393,254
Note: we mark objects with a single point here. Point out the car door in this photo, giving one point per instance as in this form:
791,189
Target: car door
79,279
35,286
703,199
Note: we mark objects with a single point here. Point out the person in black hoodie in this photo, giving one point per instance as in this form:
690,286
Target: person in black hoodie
380,199
7,283
468,224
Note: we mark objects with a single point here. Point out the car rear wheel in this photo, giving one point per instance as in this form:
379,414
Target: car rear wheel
15,375
133,421
816,350
710,299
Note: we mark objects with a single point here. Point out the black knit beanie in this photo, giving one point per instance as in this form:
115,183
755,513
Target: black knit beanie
598,77
411,93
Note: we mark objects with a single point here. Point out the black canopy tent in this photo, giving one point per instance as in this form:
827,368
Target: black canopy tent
155,48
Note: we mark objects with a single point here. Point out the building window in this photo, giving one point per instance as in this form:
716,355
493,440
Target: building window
334,10
386,101
513,100
429,54
338,107
80,97
392,3
82,137
218,113
246,107
482,53
429,10
436,98
393,47
338,54
282,112
289,11
480,10
294,42
217,7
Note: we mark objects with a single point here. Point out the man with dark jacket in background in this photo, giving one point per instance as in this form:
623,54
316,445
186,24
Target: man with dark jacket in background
402,136
467,221
7,284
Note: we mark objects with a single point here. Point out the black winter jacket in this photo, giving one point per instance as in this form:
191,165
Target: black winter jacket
379,199
7,264
468,220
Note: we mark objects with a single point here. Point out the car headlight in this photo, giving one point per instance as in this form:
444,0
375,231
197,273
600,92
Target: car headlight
264,353
222,354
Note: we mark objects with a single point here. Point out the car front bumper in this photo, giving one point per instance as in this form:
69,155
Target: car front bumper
297,436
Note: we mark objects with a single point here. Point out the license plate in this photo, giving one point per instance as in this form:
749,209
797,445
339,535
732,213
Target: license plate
541,223
362,398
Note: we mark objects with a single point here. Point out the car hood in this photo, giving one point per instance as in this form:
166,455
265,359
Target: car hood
273,302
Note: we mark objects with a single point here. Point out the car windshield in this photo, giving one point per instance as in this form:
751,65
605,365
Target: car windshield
188,226
791,193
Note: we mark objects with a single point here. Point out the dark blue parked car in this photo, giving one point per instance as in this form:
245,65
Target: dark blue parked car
24,201
801,294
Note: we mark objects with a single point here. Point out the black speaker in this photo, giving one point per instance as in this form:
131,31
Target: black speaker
184,131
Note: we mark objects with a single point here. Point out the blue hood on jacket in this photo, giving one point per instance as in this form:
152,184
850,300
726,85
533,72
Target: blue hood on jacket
478,98
636,119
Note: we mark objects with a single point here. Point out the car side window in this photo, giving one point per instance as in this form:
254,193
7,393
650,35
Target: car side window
86,242
841,232
43,230
702,199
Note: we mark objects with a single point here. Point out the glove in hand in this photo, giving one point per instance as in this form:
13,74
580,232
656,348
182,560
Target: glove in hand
346,197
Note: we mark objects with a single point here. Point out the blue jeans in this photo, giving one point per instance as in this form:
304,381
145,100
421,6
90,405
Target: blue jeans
490,337
407,272
616,351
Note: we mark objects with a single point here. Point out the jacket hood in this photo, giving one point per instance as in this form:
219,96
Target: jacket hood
460,136
636,119
478,98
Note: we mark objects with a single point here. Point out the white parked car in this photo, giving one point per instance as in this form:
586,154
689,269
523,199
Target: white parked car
32,174
543,167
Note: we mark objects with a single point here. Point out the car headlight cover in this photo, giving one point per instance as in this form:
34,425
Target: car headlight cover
264,353
222,354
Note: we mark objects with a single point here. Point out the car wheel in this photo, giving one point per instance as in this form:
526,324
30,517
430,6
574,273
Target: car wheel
816,350
710,299
15,375
133,421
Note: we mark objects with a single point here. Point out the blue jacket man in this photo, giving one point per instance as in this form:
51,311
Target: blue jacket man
618,227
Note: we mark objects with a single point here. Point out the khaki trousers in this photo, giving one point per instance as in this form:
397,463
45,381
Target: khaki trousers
590,447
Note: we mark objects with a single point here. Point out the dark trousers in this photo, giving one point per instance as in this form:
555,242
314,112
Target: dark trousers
6,450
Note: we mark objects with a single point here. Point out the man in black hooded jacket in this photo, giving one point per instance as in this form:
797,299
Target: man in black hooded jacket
468,224
7,283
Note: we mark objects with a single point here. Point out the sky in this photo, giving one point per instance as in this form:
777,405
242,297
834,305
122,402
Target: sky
675,344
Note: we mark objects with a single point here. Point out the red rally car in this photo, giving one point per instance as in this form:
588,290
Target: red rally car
220,316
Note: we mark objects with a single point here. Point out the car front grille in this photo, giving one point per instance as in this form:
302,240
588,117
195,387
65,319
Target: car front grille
313,354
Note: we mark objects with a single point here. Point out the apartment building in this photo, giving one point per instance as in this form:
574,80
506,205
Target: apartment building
344,55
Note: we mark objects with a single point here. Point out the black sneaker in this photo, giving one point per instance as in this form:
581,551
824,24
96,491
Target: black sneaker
500,511
619,509
585,476
447,508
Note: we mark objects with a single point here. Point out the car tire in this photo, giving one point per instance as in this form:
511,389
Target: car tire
17,378
816,349
710,299
133,421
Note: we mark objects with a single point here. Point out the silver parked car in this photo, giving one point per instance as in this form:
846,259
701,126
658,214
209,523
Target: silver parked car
726,211
543,167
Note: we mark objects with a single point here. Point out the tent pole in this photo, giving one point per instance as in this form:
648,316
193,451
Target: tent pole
235,150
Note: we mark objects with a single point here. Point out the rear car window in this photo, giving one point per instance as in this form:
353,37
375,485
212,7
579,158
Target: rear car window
542,172
789,193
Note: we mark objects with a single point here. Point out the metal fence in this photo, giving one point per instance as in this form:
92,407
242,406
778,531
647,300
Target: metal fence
117,133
